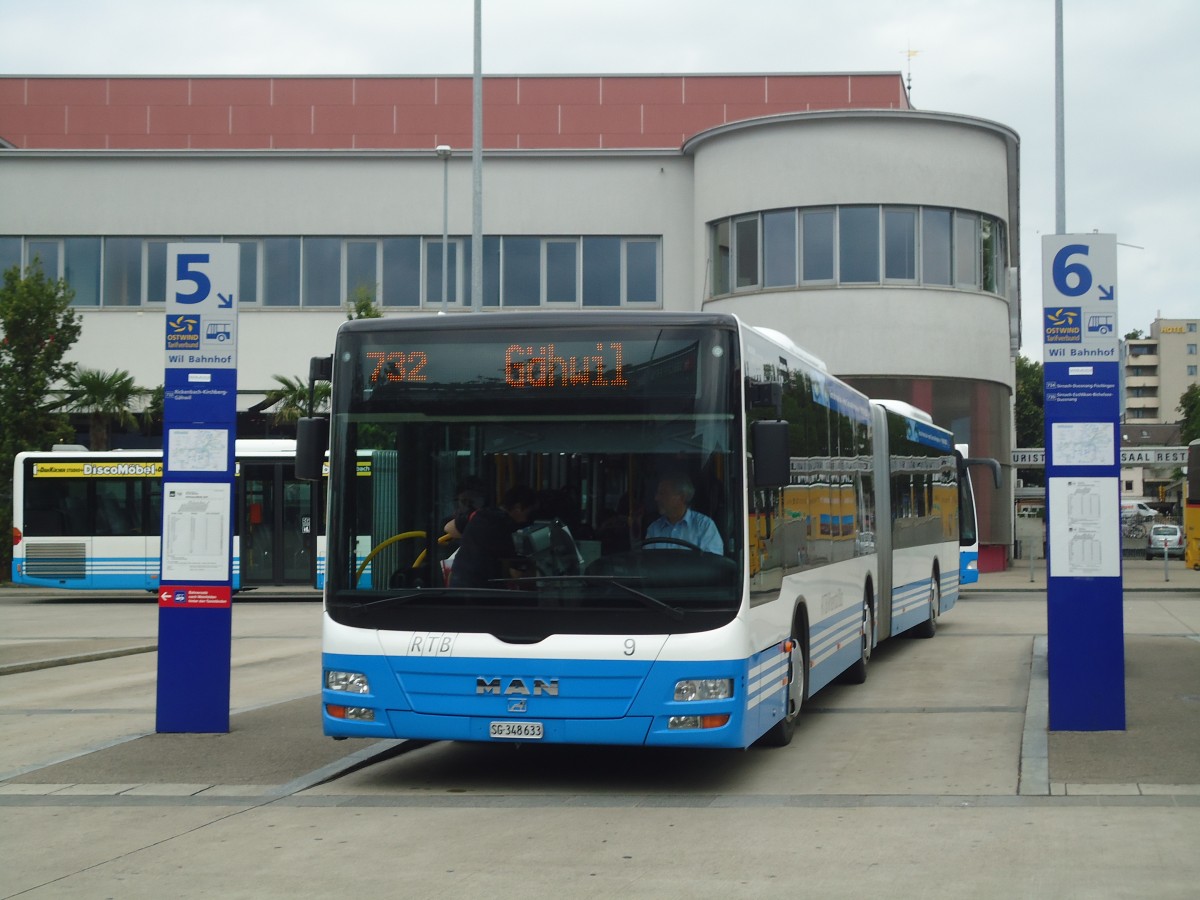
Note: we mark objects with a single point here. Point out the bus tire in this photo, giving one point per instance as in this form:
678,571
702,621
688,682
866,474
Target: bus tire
928,628
857,673
780,734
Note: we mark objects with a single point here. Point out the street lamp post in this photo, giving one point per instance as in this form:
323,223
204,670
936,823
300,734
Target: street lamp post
444,153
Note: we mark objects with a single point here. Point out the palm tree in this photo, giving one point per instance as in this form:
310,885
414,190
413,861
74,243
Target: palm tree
291,399
106,397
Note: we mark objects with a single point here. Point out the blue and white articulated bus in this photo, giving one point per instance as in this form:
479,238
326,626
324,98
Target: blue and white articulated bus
92,520
837,521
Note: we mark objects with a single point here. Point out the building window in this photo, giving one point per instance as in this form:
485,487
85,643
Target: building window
81,269
858,245
641,271
562,271
402,272
156,271
281,271
936,246
989,256
362,270
322,271
48,254
602,271
855,245
433,270
745,252
491,271
1191,370
966,250
900,245
397,272
721,258
10,253
248,280
779,248
817,245
122,272
1191,349
520,268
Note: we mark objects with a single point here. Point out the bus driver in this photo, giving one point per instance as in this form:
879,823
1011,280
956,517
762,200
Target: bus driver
678,520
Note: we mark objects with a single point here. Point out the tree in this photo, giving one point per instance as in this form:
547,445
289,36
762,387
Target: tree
361,304
1135,335
106,398
1030,412
1029,404
39,328
291,399
152,415
1189,405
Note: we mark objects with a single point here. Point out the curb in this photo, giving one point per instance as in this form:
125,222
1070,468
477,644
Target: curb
34,665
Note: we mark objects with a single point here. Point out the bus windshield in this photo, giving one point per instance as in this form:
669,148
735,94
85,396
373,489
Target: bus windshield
538,466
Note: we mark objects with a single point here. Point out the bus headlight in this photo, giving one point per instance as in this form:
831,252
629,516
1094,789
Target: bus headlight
692,723
704,689
350,682
355,713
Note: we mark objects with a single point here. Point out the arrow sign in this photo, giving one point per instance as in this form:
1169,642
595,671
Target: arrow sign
1107,293
226,302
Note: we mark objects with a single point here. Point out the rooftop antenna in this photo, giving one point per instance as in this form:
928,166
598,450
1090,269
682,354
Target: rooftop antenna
910,53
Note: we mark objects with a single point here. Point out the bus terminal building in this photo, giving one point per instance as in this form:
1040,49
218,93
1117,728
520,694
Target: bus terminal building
881,238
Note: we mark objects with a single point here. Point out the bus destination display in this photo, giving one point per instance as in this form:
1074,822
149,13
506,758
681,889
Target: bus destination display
524,366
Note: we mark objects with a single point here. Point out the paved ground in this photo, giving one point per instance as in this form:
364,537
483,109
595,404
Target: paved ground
993,805
276,749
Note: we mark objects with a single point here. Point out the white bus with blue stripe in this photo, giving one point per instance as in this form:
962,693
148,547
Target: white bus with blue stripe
587,632
92,520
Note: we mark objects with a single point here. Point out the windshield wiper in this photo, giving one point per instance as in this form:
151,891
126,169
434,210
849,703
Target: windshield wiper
431,594
653,602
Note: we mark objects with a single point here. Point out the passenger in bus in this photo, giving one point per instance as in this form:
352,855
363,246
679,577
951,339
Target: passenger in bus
486,551
469,498
678,520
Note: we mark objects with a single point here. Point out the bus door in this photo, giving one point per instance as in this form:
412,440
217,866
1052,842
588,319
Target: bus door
275,525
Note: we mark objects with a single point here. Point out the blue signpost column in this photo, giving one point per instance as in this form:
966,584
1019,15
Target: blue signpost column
1081,357
199,431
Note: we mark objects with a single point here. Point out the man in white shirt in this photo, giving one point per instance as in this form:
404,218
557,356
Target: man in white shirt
679,520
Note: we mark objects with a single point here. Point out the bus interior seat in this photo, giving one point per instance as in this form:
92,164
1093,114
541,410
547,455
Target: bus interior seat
550,546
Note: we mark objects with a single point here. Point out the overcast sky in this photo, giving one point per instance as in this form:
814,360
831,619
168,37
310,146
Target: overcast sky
1132,128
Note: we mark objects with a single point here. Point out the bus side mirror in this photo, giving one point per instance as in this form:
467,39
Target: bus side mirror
772,462
312,440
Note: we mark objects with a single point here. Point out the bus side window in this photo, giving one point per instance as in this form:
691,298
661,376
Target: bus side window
45,523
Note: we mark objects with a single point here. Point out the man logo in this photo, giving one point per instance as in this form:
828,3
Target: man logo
542,687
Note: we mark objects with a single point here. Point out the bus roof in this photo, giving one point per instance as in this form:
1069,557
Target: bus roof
906,409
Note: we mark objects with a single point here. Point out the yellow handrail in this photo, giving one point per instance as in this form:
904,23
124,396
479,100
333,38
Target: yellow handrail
403,536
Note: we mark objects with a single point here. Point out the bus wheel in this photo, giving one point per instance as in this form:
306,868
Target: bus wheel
857,673
780,734
928,628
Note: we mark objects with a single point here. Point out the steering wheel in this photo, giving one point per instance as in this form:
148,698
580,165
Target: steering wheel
402,536
669,540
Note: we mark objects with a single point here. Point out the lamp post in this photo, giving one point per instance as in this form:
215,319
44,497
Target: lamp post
444,153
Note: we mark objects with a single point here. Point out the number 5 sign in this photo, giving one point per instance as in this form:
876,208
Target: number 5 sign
199,429
202,306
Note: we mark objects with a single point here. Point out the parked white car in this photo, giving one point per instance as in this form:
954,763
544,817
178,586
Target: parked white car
1164,538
